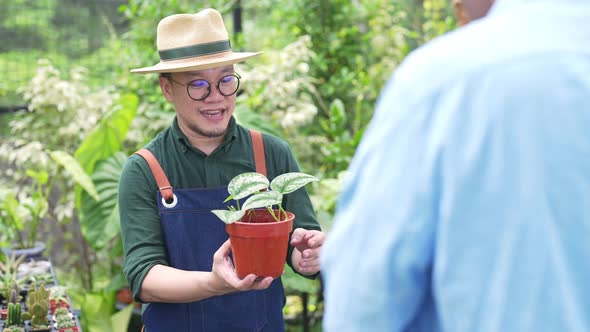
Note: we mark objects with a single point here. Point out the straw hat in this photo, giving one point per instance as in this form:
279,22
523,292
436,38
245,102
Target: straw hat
189,42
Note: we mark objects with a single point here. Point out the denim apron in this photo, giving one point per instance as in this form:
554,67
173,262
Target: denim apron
192,235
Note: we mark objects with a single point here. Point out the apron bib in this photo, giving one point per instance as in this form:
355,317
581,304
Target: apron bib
192,235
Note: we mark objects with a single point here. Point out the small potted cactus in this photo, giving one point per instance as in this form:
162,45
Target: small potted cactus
58,299
37,306
65,323
62,312
13,329
14,321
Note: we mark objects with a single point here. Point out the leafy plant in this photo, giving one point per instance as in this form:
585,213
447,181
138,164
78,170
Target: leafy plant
37,280
20,226
256,186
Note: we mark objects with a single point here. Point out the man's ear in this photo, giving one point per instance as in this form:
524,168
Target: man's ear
166,87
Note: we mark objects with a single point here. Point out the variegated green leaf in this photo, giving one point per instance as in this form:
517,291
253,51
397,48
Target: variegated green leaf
263,199
246,184
289,182
72,166
228,216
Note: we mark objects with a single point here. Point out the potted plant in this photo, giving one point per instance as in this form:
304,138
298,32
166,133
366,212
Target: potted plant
9,277
258,232
21,217
65,323
62,312
14,319
37,306
58,299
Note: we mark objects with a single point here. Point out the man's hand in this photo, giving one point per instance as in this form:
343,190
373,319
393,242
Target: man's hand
305,257
225,277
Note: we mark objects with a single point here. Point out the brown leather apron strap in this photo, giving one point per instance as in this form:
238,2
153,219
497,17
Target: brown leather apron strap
161,179
258,147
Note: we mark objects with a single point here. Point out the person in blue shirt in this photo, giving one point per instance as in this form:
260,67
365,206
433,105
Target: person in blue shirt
468,202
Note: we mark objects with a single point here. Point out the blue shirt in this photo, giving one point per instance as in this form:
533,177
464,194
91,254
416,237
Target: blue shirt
468,202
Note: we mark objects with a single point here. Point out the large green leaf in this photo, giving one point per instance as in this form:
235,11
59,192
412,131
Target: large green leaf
246,184
100,219
120,320
72,166
289,182
99,312
263,199
108,136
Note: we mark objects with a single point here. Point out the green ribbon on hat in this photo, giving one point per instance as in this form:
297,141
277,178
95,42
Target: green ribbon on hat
195,50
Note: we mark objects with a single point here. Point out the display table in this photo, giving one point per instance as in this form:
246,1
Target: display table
37,286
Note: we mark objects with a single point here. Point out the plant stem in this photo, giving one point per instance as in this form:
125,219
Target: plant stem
272,213
33,235
19,237
282,210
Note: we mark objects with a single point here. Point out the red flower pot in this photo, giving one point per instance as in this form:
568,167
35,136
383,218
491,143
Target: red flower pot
259,243
69,329
54,305
3,313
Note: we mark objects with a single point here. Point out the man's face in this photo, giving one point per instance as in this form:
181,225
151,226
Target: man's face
207,118
469,10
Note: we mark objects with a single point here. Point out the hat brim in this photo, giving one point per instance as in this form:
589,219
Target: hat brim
198,63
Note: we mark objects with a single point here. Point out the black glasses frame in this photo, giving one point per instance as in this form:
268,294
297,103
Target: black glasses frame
236,75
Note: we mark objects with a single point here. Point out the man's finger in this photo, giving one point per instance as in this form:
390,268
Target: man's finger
224,250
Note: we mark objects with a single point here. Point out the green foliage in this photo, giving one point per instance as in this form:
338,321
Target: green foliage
438,18
108,136
100,218
36,280
20,216
100,314
341,143
74,169
9,287
255,185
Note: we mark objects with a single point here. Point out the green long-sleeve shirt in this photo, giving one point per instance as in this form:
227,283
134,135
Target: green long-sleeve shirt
187,167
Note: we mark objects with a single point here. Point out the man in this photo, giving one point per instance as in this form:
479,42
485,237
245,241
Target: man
177,256
468,203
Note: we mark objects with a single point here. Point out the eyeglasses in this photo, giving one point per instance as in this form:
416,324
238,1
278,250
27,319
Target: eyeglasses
200,89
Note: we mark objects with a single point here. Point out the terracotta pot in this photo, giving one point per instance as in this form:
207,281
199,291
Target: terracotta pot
69,329
259,243
124,295
54,305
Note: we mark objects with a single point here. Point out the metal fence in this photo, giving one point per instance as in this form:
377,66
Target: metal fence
65,32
